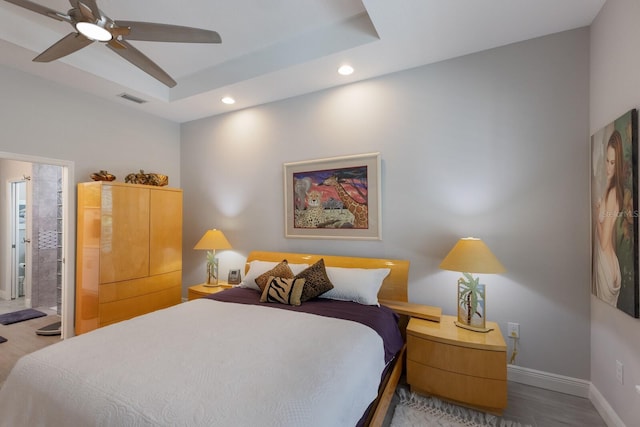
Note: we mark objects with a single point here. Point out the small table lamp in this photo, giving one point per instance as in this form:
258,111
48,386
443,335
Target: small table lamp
212,240
471,255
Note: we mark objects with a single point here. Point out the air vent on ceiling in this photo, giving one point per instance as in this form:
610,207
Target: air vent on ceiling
132,98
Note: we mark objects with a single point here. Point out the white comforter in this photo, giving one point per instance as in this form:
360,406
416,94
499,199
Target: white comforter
201,363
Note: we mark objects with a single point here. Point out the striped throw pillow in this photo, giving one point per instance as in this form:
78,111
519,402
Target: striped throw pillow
282,290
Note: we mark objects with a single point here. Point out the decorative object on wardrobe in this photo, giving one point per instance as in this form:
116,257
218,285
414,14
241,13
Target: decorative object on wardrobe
156,179
102,176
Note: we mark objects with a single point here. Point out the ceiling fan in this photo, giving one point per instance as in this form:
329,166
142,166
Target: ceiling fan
91,24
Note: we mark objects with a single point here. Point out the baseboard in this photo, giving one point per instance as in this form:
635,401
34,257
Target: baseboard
549,381
568,385
604,409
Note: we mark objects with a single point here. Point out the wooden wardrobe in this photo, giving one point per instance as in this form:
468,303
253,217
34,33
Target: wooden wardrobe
129,252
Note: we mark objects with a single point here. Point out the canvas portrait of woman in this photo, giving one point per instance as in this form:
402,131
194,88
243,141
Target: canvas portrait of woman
614,213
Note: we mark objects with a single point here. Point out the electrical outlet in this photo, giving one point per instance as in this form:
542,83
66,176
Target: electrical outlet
620,372
513,330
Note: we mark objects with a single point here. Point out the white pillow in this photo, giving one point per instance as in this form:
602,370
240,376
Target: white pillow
359,285
256,268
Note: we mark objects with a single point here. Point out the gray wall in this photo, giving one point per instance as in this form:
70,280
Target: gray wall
44,119
615,89
490,145
50,121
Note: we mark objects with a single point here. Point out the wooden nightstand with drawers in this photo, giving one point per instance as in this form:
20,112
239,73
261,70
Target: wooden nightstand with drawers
466,367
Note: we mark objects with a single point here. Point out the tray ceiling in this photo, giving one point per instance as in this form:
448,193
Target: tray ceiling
277,49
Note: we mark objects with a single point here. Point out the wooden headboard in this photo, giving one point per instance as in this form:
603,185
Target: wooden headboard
393,288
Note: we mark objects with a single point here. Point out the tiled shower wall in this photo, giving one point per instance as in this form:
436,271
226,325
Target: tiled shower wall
46,236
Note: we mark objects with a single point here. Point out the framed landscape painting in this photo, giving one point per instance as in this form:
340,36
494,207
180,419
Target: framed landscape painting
333,198
614,214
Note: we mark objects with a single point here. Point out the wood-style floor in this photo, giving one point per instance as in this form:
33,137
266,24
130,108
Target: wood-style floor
528,405
22,339
544,408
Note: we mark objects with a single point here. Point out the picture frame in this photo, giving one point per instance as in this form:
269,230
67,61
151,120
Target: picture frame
234,277
333,198
614,214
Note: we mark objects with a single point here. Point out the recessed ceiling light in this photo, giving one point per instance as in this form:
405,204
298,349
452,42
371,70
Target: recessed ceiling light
228,100
345,70
93,32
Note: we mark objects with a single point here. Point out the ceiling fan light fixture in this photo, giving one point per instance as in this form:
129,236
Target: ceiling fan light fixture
93,32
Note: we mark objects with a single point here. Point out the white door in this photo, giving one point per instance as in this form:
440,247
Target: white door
20,250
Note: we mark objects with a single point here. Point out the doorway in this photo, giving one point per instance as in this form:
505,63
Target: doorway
36,270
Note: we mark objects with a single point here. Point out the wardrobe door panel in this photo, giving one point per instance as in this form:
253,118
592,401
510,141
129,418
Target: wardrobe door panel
165,244
124,245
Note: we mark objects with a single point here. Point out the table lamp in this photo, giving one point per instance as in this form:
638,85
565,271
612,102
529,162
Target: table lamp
212,240
471,255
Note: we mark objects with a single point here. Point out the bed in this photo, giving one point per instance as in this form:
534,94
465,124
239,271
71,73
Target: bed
230,360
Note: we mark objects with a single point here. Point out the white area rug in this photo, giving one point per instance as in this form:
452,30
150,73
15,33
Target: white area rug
418,411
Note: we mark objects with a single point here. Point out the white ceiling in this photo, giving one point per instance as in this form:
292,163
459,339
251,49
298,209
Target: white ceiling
276,49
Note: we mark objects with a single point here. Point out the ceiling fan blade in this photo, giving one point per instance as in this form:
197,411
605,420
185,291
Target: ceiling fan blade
63,47
138,59
42,10
91,4
149,31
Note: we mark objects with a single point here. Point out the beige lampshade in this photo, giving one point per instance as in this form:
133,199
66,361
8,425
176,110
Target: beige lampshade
212,240
471,255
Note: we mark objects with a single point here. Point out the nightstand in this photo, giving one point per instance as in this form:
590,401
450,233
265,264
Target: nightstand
199,291
469,368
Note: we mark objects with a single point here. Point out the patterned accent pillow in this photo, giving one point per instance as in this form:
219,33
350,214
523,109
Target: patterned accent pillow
280,270
316,281
284,291
257,267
